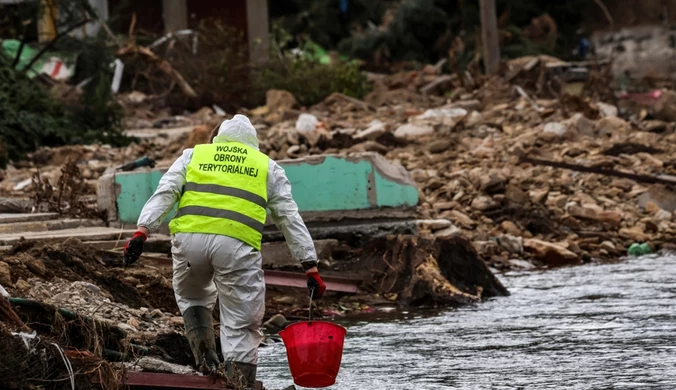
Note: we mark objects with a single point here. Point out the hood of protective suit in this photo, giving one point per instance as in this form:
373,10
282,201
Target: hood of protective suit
237,129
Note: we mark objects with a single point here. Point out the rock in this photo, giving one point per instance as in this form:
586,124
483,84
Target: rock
92,288
412,131
285,300
580,123
665,107
449,231
634,233
444,116
278,100
275,323
493,183
662,197
663,215
133,322
611,125
442,206
510,228
655,126
607,110
652,208
434,224
21,284
613,218
62,297
514,194
176,321
556,128
511,244
609,246
306,123
460,218
157,313
127,327
484,203
537,196
467,105
523,264
549,253
473,119
439,146
5,275
371,133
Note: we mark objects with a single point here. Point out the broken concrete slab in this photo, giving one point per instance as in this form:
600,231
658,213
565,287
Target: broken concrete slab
327,183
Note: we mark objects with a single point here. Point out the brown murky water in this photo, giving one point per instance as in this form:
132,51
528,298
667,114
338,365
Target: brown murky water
609,326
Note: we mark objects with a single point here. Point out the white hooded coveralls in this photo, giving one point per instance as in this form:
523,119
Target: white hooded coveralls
207,266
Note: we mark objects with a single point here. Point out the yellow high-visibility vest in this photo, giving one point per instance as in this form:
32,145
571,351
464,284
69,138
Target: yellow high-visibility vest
226,193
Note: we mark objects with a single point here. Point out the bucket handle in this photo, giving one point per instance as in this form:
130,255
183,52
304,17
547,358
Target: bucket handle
312,292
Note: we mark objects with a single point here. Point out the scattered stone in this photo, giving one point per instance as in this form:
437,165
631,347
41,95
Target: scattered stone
609,246
611,126
5,275
434,224
285,300
538,195
512,244
510,228
558,129
411,131
516,195
493,183
634,233
607,110
550,254
663,215
133,322
20,284
523,264
176,321
460,218
279,100
371,133
157,313
439,146
484,203
276,323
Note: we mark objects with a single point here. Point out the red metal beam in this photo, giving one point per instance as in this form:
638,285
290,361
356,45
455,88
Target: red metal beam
285,278
155,381
296,279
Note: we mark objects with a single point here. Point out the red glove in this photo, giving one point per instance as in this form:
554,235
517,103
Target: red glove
315,285
134,247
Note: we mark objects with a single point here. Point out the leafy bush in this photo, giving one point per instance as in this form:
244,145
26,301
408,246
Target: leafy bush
311,82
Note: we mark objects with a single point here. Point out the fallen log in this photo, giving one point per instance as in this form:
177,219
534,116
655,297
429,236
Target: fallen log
600,171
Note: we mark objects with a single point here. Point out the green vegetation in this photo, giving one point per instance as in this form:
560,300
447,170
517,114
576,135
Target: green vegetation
311,82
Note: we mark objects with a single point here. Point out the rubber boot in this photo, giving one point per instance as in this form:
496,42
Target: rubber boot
241,374
200,334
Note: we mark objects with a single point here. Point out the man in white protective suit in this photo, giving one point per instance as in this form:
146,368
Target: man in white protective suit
222,190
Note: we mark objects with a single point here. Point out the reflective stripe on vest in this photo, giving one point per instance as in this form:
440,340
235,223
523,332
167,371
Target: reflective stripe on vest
225,193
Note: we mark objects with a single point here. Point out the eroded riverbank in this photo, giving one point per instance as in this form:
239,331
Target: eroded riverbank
597,326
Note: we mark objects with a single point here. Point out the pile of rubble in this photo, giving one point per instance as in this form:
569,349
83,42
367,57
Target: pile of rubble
468,153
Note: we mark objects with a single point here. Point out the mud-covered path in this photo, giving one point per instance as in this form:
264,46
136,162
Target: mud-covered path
589,327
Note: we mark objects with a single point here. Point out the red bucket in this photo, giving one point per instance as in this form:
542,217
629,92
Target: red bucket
314,350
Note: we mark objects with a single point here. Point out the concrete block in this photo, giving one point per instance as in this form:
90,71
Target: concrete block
320,184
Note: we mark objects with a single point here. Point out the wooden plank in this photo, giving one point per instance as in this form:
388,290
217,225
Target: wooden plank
11,218
49,225
84,234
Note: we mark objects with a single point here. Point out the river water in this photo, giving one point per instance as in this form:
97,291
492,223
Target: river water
609,326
